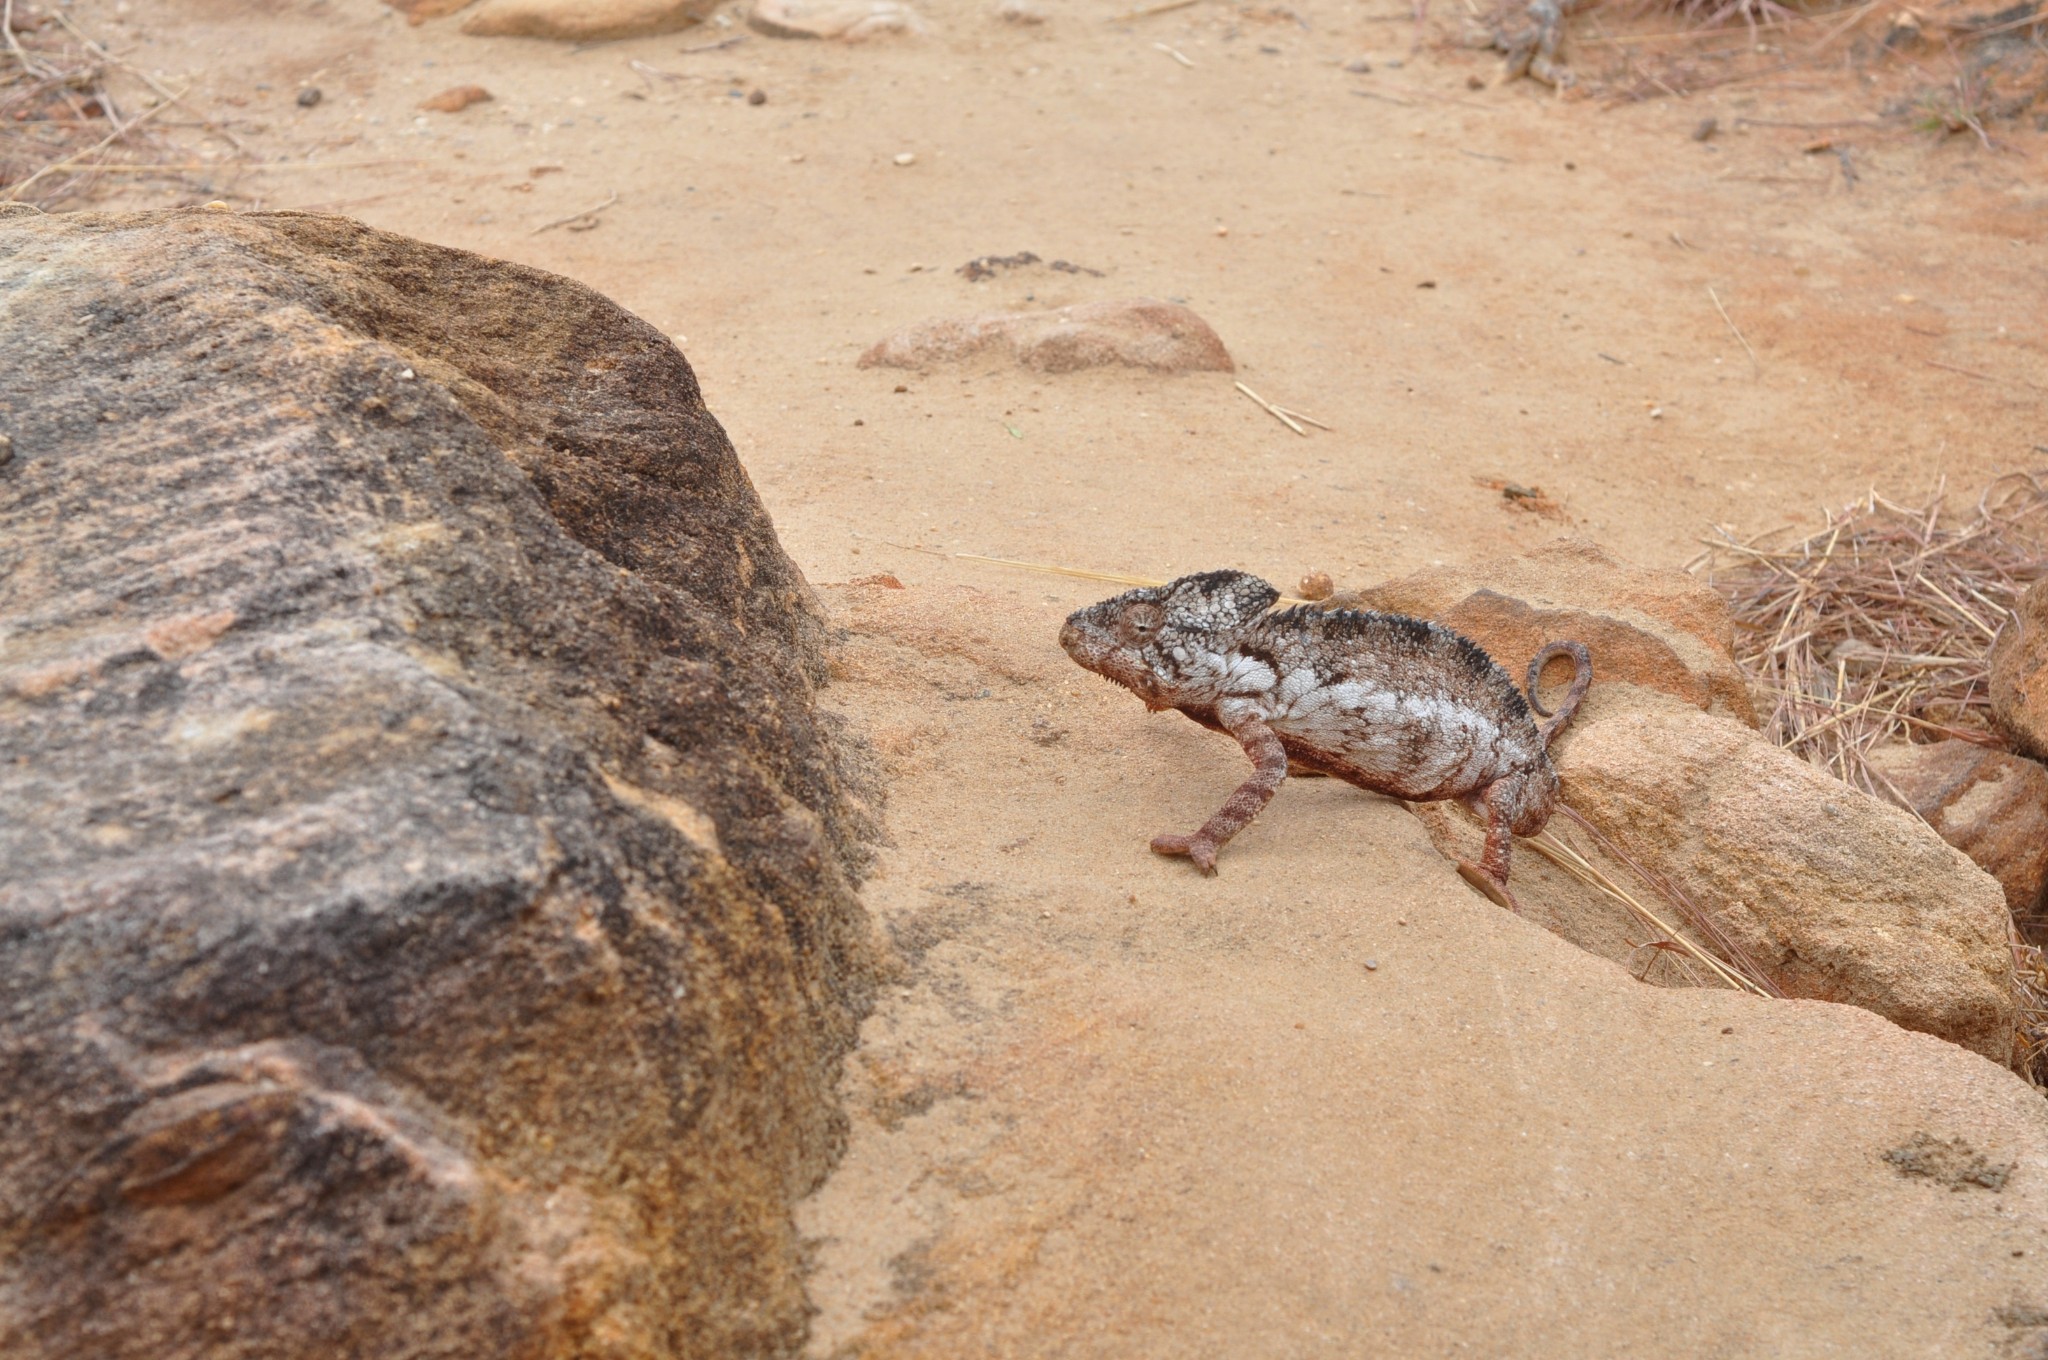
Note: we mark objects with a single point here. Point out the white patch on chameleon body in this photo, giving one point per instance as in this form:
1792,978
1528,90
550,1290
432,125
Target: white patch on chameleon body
1248,675
1296,687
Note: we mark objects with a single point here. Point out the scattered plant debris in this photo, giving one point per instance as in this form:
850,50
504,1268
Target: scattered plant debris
1531,500
988,266
1950,1162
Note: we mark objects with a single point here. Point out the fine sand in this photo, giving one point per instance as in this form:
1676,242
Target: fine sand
1330,1101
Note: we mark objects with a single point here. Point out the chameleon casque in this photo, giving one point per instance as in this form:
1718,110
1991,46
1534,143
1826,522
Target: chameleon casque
1393,704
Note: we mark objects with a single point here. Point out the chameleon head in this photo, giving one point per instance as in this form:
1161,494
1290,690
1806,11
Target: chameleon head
1150,639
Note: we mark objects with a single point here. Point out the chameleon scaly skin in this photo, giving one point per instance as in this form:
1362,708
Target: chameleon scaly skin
1392,704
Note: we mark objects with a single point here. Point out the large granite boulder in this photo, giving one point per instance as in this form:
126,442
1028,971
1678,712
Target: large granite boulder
426,924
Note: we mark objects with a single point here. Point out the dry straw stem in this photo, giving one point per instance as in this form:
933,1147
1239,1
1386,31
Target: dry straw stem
1291,419
590,213
1754,363
1877,627
2030,991
266,167
1726,960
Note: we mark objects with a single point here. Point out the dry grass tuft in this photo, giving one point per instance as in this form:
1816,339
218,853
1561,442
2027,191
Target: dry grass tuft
1877,628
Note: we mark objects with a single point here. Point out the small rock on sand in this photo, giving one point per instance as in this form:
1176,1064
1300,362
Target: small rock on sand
584,20
457,99
1140,332
846,20
419,11
2019,675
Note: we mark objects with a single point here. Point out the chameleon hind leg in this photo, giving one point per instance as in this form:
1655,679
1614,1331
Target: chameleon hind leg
1490,875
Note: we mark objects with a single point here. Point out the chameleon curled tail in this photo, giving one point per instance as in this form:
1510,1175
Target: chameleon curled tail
1582,661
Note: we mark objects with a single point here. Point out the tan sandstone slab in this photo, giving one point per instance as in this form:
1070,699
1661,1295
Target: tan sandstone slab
1836,895
1331,1101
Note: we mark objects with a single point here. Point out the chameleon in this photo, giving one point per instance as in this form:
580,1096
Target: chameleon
1397,705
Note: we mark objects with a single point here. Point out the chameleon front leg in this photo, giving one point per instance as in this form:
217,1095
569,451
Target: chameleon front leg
1269,769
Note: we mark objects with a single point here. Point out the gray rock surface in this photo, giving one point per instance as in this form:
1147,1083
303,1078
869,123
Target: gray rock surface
425,911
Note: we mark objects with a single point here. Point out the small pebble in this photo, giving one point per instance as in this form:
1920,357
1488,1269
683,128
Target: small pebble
758,98
1707,128
6,449
457,99
906,158
1317,585
1358,66
1372,965
309,96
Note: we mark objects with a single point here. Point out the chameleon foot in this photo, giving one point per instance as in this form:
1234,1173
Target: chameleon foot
1196,847
1494,890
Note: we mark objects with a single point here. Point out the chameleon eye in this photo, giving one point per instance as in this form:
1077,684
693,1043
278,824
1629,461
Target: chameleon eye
1140,622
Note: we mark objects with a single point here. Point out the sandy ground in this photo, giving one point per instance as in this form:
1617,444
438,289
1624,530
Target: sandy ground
1329,1102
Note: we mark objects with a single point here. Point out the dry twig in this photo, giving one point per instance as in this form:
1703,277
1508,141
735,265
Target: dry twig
588,213
1291,419
1753,362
